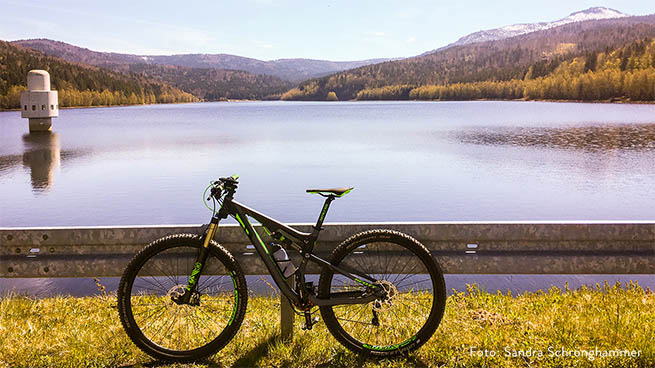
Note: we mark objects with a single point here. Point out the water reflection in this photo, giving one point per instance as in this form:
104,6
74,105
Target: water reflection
587,138
42,155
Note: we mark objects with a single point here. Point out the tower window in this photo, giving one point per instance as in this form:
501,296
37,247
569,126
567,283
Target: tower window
42,107
25,107
33,107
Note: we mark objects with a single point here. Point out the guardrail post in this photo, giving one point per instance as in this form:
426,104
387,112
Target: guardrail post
287,315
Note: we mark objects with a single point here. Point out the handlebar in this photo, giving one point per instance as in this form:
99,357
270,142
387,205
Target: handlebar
229,183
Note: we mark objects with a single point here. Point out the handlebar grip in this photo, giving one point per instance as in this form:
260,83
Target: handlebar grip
217,188
232,179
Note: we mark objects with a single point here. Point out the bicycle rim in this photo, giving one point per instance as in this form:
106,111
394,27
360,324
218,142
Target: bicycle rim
169,327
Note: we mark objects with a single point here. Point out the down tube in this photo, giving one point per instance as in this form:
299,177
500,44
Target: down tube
264,253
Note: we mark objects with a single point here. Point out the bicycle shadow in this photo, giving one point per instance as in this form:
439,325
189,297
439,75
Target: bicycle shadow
160,363
361,360
251,358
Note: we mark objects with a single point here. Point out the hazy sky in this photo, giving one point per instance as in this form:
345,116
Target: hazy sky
274,29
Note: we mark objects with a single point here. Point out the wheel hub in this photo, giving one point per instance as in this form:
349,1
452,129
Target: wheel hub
390,293
176,295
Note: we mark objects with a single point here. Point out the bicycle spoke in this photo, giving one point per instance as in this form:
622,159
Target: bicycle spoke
399,318
181,327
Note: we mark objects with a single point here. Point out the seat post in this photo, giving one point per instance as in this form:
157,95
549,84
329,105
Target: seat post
321,217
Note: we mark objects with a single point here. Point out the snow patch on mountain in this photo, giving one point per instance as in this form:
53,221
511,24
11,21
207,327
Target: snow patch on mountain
513,30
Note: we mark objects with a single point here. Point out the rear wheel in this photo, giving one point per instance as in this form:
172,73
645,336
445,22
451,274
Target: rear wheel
414,294
181,332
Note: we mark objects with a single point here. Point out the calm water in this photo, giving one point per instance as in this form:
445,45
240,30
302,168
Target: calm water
409,161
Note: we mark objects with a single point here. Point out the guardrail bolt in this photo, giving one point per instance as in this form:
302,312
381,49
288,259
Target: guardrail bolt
45,237
10,269
17,250
10,237
52,249
46,269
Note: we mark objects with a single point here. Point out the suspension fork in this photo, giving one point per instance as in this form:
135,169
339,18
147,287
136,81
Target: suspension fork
199,264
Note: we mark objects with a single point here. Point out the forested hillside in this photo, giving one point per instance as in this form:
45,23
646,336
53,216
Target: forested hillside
206,82
625,74
215,84
532,57
79,85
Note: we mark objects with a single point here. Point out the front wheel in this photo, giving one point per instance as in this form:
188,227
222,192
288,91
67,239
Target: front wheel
414,294
160,326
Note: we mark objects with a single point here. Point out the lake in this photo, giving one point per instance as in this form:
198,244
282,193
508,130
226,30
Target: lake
408,161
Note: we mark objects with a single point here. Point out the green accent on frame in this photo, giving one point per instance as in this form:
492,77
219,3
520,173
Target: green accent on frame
363,282
242,224
269,253
323,212
262,243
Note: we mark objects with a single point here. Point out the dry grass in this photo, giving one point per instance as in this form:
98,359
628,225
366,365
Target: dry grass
81,332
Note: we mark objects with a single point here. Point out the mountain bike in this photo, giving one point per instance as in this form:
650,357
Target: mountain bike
183,297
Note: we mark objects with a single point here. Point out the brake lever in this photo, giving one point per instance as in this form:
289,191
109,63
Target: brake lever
217,187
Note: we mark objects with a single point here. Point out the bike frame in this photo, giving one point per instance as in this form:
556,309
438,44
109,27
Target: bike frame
303,242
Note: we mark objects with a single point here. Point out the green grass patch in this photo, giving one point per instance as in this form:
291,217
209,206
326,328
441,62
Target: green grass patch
571,328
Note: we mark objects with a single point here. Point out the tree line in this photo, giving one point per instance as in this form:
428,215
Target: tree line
481,65
79,85
624,74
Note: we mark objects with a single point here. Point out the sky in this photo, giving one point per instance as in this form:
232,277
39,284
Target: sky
277,29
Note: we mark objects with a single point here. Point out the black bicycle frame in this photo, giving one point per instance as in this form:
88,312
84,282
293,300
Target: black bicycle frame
303,242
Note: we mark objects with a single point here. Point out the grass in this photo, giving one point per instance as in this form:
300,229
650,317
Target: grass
86,332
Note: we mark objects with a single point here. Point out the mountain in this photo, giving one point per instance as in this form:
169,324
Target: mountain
507,59
205,83
294,70
79,84
596,13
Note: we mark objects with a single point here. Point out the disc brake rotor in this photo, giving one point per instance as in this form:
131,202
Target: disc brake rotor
390,293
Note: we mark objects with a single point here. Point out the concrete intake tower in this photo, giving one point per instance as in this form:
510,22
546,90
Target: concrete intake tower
39,104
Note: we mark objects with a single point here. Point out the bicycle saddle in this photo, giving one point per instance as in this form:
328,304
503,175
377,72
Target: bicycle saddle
338,192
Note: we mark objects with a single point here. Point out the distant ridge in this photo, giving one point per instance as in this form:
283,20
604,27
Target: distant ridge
595,13
294,70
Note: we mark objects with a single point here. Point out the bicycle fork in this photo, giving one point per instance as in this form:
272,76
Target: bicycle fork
198,266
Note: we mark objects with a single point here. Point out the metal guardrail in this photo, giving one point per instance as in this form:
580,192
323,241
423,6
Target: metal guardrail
462,247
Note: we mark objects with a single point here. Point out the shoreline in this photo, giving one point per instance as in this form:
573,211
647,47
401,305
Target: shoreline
610,101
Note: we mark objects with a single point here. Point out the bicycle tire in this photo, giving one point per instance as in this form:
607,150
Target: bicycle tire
161,269
353,326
